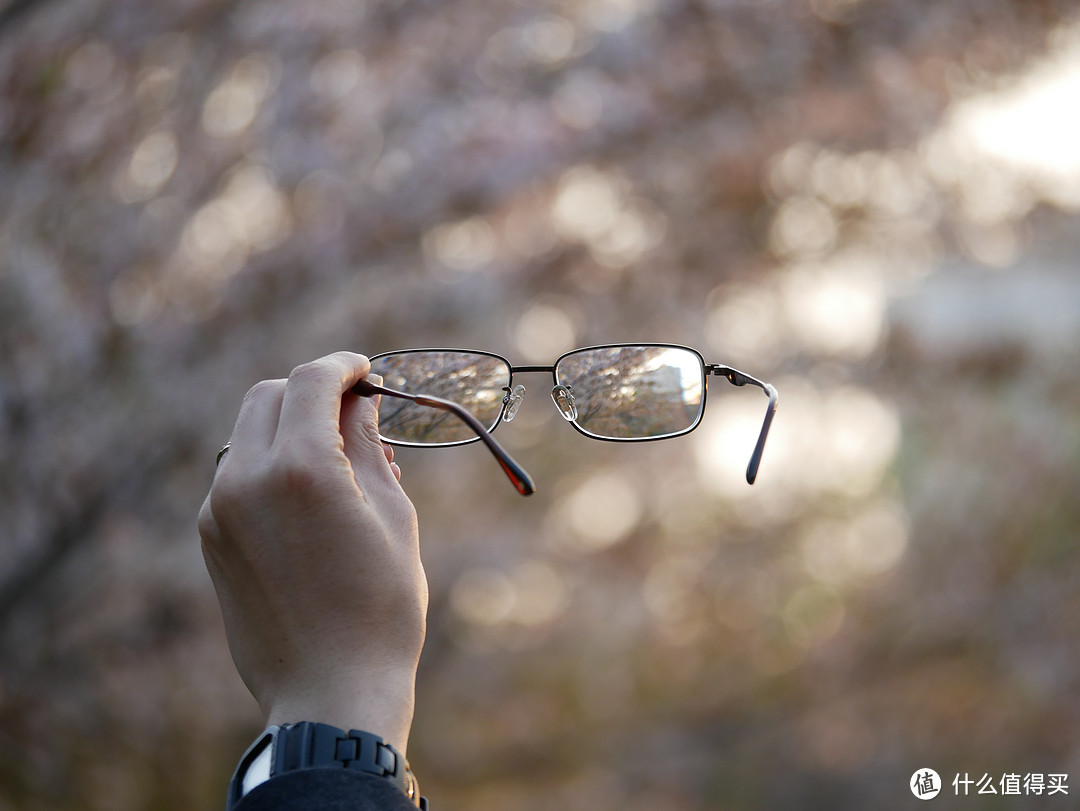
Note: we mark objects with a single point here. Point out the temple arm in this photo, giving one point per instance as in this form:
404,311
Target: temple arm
737,378
518,476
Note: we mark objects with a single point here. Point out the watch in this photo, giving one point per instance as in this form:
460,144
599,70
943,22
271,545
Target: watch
308,745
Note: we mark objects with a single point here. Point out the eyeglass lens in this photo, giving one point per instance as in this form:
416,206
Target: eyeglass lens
472,380
620,392
634,392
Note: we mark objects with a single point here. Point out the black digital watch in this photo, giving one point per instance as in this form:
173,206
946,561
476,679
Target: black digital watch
308,745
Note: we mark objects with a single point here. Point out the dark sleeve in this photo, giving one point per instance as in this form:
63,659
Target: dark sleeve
326,790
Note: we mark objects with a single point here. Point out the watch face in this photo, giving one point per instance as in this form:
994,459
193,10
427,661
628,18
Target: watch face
258,771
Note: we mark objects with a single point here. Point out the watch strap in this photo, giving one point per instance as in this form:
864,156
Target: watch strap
309,745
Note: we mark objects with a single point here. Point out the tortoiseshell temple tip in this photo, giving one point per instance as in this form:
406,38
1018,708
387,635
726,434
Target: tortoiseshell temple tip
363,388
520,478
517,475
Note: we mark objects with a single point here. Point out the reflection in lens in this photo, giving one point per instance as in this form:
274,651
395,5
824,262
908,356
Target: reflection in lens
472,380
634,392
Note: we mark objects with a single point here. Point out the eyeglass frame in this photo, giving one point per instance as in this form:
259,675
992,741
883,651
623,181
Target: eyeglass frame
514,471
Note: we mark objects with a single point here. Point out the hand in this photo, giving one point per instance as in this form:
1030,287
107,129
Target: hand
313,549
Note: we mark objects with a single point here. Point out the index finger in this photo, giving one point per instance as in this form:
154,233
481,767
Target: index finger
311,407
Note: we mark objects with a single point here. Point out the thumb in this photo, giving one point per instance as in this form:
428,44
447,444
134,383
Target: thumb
360,430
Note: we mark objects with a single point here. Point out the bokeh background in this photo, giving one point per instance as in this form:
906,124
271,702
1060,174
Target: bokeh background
873,204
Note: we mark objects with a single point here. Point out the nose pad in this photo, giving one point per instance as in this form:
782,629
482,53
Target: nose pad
564,401
512,402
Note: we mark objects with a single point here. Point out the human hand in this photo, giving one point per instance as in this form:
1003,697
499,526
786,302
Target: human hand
313,549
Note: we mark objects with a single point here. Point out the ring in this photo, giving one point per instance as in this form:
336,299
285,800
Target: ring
221,454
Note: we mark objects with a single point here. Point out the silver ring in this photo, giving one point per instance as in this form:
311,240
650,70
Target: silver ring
221,454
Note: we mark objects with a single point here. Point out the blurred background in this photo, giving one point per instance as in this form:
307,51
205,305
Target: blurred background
873,205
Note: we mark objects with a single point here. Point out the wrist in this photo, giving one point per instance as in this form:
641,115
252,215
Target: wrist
379,702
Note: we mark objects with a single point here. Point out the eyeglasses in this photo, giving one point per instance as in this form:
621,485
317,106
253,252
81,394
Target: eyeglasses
615,392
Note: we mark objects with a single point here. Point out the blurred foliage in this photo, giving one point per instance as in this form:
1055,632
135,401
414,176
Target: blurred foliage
837,196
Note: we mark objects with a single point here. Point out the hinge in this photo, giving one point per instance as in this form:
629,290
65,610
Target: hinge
734,376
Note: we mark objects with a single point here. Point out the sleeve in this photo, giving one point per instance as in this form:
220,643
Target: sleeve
325,790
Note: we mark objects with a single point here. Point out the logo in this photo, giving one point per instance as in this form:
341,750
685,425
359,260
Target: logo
925,784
